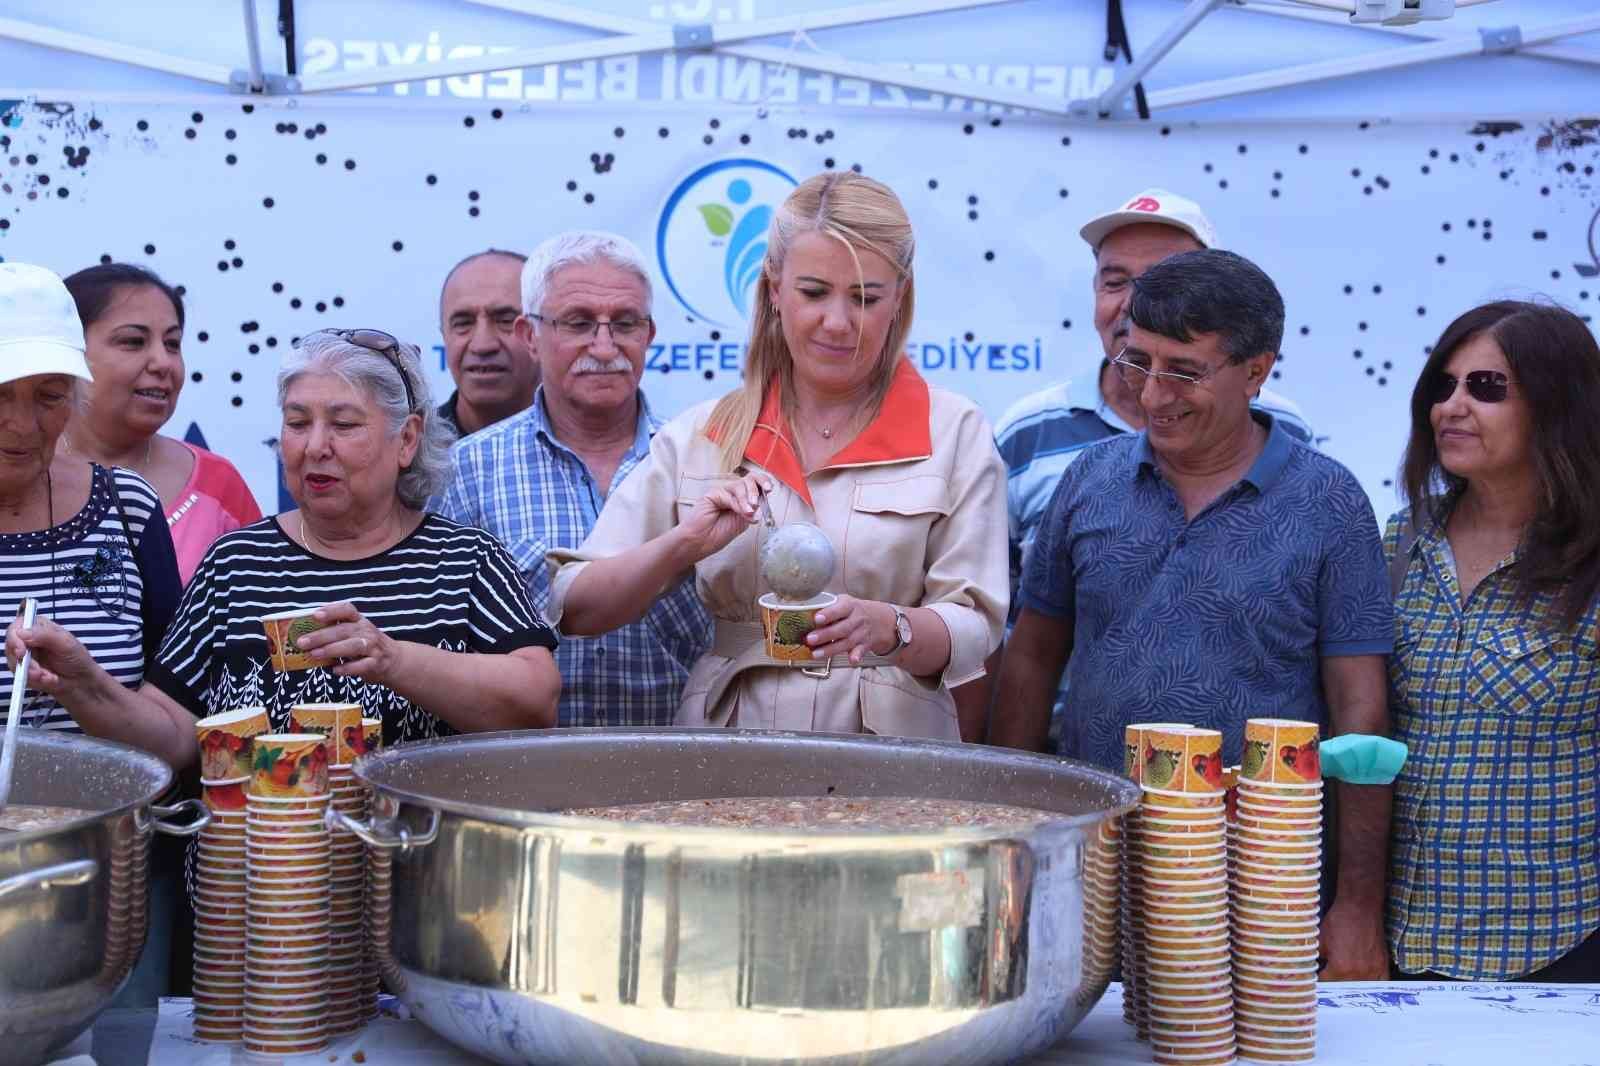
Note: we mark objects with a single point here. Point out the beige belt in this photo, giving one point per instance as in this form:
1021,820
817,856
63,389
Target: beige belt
747,640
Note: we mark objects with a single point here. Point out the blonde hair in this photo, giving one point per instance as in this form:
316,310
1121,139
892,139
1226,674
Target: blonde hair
864,215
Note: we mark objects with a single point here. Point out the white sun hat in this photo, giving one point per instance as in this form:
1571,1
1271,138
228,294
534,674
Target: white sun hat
40,332
1153,205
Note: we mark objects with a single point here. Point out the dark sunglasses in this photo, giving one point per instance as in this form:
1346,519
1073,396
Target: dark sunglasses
386,345
1485,386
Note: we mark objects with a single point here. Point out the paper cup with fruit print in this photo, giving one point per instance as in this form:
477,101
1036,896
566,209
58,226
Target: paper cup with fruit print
1281,751
224,741
786,624
1285,793
336,721
1132,756
372,734
1181,760
290,765
284,630
225,795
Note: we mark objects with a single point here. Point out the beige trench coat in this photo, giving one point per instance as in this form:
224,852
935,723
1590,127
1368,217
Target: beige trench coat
919,522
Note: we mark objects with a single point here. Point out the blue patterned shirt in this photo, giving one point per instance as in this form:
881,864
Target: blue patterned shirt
1210,621
1496,857
516,480
1043,432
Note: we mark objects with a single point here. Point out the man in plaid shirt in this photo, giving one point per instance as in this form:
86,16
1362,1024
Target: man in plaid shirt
538,479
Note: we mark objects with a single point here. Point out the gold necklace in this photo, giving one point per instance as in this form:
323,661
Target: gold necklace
824,431
305,534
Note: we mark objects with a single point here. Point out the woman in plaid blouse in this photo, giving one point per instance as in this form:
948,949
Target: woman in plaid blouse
1495,678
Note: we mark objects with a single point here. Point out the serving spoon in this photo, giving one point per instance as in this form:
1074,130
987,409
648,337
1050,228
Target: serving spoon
19,688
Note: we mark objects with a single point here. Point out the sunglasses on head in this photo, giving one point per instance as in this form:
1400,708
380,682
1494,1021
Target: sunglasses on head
386,345
1485,386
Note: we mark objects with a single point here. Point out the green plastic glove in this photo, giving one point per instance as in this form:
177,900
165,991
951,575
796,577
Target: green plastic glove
1361,759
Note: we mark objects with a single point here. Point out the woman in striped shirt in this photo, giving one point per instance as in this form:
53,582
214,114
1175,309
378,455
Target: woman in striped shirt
425,622
86,542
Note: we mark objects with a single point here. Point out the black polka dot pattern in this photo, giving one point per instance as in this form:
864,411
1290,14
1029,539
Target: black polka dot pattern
1431,205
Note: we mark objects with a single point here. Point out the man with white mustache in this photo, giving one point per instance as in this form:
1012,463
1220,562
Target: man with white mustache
539,479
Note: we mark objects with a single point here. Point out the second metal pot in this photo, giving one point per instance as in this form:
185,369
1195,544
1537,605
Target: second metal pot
74,897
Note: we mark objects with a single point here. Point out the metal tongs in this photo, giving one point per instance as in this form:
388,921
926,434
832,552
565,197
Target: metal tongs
19,688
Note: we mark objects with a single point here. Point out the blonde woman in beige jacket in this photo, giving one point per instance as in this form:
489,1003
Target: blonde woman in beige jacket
836,427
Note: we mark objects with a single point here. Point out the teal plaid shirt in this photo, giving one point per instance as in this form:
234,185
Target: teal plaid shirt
1496,847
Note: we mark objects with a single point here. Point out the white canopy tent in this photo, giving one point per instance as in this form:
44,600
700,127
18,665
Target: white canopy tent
222,53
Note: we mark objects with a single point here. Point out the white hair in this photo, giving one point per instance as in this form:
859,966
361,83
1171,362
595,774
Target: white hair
572,248
372,373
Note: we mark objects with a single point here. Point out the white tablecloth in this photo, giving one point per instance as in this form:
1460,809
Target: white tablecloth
1411,1024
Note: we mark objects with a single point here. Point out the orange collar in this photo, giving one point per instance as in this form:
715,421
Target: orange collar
900,432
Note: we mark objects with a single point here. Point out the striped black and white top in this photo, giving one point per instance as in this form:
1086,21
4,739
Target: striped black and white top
107,575
445,585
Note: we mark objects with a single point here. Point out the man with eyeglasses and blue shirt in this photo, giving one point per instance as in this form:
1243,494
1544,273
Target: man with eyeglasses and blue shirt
539,479
1041,434
1212,568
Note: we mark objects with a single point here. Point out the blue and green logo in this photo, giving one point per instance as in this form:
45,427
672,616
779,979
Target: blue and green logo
712,236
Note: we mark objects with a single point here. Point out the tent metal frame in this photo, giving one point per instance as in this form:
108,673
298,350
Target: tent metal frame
632,36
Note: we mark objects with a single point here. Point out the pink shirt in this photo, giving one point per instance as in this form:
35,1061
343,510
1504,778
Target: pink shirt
213,502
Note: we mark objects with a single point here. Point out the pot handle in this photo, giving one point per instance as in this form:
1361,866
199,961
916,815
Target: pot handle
80,872
201,812
381,835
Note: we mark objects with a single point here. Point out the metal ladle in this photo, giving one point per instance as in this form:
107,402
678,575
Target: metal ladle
19,688
797,559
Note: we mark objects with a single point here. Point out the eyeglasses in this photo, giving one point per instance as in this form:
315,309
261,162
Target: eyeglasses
385,344
580,328
1485,386
1134,376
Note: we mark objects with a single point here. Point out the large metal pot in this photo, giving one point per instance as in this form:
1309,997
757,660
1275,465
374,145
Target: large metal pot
532,937
74,899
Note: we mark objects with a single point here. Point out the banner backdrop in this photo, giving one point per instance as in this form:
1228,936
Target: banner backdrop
279,217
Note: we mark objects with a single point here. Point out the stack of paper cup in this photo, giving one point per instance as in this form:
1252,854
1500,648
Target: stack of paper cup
341,724
287,890
1187,971
1276,873
1102,891
226,743
378,893
380,882
1230,805
128,910
1135,1008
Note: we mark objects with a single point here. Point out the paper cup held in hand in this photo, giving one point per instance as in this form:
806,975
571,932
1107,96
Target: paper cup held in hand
290,764
786,625
224,741
284,629
1280,750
